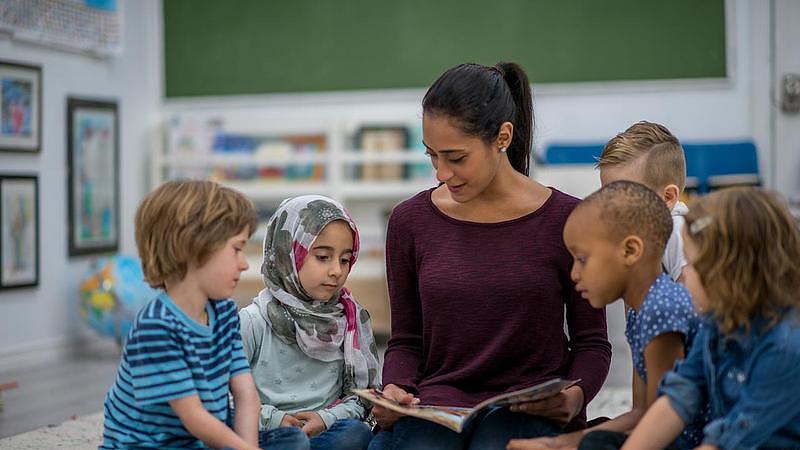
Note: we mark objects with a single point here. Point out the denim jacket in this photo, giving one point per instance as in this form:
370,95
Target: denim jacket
749,379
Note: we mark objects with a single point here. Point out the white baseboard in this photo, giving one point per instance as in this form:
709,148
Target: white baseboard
46,350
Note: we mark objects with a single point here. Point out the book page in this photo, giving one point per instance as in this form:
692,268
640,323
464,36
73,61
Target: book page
449,416
540,391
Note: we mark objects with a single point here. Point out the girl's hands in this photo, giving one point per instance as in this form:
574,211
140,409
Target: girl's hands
559,408
312,423
385,417
291,421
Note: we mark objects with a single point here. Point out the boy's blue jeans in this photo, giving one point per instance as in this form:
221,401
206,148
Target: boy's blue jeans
492,431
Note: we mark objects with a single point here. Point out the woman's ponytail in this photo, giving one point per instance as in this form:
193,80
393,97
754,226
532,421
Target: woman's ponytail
519,152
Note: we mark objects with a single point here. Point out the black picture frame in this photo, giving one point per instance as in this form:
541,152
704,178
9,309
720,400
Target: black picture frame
19,231
20,107
92,176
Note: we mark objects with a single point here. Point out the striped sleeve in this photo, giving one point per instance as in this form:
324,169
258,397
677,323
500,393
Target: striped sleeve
239,362
157,366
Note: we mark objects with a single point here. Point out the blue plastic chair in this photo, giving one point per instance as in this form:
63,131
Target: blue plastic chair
572,153
708,165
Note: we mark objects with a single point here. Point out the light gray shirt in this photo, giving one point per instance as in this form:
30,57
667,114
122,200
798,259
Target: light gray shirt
288,380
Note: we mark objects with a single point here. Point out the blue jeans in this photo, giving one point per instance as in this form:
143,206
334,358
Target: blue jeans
284,438
344,434
491,431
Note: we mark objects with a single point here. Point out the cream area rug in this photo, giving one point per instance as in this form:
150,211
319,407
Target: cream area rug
85,432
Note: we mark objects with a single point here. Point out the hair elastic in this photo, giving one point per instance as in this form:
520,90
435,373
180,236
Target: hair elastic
699,224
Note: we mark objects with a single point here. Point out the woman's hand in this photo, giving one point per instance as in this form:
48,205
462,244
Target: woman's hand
312,423
568,441
386,417
560,408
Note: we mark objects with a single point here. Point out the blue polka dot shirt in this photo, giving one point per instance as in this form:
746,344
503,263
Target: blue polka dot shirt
667,308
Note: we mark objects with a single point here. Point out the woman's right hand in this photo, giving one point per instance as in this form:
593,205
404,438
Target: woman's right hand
386,417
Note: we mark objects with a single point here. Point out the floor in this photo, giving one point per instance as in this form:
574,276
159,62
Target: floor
52,391
62,398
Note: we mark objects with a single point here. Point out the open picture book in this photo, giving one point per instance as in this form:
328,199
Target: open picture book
457,418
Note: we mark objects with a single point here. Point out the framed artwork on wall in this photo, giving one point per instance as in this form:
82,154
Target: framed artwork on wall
19,231
92,176
20,107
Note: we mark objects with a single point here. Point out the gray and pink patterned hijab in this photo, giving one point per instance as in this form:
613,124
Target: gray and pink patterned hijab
338,328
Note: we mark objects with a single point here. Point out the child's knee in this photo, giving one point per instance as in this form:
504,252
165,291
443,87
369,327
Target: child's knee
352,433
289,438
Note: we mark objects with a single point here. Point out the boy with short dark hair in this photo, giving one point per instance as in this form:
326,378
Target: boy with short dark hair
616,237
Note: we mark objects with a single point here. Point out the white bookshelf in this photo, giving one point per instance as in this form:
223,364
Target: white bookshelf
367,200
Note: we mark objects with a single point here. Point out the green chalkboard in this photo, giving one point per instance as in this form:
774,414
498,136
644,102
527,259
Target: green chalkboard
229,47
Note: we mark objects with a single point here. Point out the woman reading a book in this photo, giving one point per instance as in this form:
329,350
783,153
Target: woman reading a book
479,278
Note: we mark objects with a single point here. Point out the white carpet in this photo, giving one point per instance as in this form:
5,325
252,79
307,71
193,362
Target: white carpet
84,433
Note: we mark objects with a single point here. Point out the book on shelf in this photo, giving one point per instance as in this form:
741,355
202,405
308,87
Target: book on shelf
418,171
199,147
458,418
311,144
381,140
272,157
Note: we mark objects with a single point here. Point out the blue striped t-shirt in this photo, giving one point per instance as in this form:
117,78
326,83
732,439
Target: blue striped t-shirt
170,356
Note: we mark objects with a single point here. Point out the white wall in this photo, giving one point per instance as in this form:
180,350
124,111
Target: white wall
589,112
787,125
46,316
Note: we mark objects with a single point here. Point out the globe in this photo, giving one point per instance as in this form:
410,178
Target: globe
112,295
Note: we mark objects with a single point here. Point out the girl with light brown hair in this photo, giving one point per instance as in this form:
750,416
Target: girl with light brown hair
743,249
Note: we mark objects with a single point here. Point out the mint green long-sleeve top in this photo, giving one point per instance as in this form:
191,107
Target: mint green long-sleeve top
288,380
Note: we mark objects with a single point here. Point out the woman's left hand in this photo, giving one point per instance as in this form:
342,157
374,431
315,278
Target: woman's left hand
560,408
312,423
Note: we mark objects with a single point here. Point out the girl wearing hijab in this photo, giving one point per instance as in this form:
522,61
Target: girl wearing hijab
307,340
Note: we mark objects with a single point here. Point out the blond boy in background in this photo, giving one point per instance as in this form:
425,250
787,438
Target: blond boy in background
649,154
